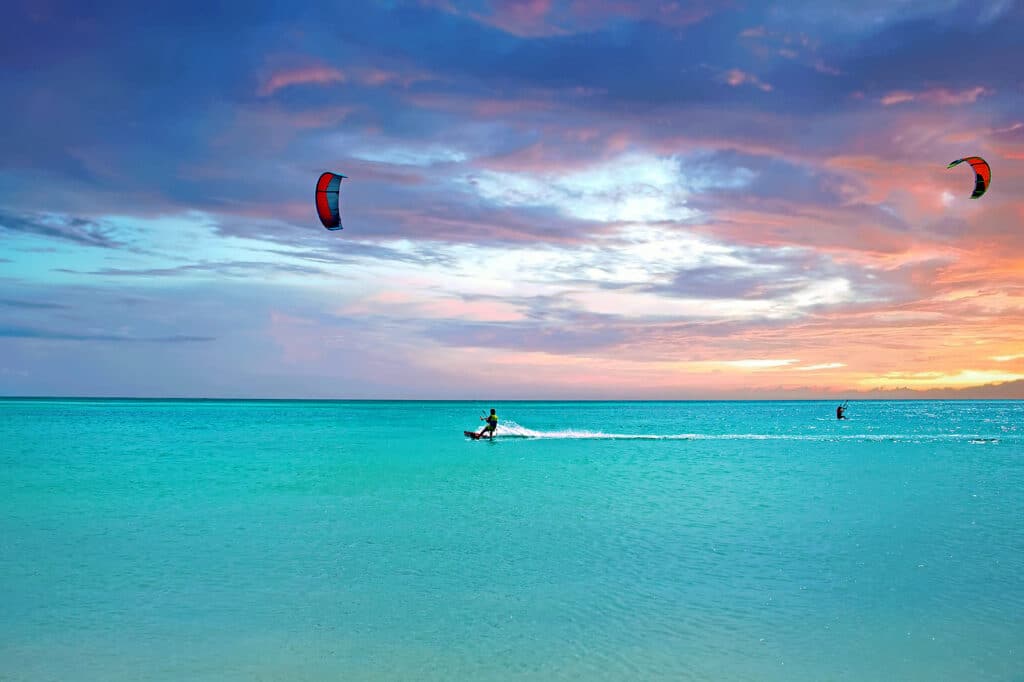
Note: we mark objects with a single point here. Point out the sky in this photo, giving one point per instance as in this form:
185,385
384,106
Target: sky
547,199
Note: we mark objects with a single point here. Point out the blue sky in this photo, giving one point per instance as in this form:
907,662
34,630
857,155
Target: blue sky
546,199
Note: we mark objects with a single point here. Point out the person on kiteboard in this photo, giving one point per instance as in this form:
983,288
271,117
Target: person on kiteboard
841,410
492,425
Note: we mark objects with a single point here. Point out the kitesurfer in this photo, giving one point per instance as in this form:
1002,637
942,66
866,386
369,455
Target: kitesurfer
491,426
841,411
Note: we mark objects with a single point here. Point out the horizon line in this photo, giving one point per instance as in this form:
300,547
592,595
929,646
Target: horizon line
503,400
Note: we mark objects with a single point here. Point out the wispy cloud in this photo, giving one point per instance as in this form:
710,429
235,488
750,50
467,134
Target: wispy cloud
82,231
736,78
243,269
14,332
758,363
310,75
1008,358
537,19
820,367
523,18
940,96
33,305
633,188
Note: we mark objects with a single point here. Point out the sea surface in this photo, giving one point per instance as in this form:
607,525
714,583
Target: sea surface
276,540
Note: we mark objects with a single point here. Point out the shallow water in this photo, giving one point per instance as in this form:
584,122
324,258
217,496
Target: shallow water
371,540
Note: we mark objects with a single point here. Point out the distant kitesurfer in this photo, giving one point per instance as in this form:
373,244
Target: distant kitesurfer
491,426
841,411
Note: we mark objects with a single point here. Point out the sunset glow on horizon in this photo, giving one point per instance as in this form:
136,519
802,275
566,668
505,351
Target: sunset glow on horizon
546,199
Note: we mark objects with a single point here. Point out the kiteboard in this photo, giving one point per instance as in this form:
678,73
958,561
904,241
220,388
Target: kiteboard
474,435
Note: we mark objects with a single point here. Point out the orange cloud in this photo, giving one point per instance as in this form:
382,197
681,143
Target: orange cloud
939,379
1008,358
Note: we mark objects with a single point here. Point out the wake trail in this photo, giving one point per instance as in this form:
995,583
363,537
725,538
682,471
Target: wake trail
511,429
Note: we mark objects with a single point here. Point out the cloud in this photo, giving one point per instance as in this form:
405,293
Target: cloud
940,96
940,379
633,188
1008,358
408,155
16,332
311,75
760,277
736,77
539,19
545,177
757,363
820,367
236,269
356,251
522,18
1009,390
82,231
33,305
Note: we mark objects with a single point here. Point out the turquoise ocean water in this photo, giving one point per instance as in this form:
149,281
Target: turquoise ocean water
371,541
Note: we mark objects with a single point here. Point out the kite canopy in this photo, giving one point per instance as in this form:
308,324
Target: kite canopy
327,204
982,173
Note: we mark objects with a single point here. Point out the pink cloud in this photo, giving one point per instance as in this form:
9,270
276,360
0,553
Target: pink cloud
897,97
523,18
310,75
736,78
323,75
941,96
543,18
